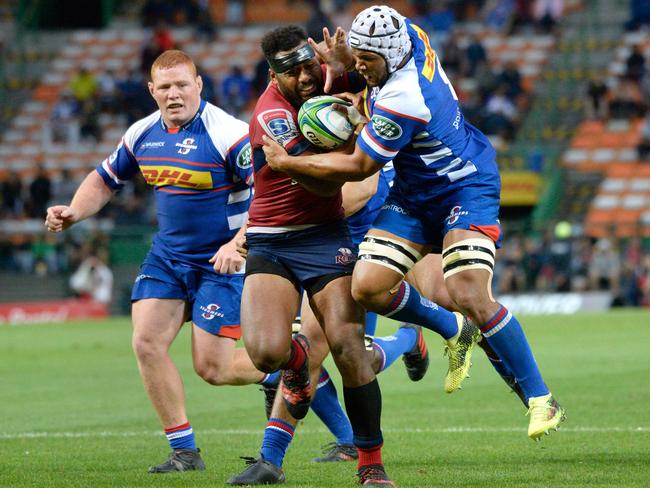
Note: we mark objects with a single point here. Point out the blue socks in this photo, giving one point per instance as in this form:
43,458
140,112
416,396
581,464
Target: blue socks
392,347
505,335
181,437
328,408
277,437
270,379
409,306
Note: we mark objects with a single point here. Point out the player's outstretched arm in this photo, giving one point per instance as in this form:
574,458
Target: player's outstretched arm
335,53
90,198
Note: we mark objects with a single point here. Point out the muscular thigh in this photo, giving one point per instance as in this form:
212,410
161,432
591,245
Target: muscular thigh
426,276
157,321
383,263
269,305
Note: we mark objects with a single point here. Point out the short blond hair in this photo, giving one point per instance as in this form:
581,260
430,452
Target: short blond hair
171,58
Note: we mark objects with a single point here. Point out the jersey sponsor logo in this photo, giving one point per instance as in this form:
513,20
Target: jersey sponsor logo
279,124
345,256
429,68
386,128
456,123
186,146
152,145
244,158
172,176
455,214
211,311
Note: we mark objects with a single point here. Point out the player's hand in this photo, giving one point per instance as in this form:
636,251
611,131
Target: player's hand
274,153
227,259
241,246
334,52
59,218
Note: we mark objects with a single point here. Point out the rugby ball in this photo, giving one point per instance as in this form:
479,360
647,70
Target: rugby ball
322,125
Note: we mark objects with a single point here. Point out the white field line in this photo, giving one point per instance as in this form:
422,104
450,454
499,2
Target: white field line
307,431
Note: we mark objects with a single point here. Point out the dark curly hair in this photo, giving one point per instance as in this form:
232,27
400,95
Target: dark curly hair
282,39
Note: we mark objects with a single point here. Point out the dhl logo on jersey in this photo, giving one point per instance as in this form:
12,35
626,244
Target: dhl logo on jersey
172,176
429,68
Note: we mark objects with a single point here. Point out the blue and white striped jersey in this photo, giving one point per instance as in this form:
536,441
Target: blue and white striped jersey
417,123
201,174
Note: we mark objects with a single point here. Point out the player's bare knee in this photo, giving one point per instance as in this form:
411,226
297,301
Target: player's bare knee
147,348
211,373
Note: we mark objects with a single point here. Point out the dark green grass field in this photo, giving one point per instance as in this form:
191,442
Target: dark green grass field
74,414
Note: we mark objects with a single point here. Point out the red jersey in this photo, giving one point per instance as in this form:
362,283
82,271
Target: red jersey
280,202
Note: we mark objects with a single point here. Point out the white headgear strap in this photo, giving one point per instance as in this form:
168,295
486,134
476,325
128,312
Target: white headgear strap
382,30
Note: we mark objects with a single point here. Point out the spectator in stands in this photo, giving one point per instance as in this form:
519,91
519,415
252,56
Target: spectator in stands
89,127
205,26
155,10
65,186
639,15
605,266
12,196
499,14
93,280
522,15
83,85
596,98
40,193
451,55
107,91
511,79
475,56
235,90
260,77
635,64
235,12
643,149
547,13
317,21
626,100
501,115
63,125
209,91
160,40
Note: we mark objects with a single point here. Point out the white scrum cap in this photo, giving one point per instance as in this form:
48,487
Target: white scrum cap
382,30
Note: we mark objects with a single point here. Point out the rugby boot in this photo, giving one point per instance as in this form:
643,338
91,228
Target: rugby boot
180,460
459,351
258,472
417,359
334,452
296,385
374,475
545,415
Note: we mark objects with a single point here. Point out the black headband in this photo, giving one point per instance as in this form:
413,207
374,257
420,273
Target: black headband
285,63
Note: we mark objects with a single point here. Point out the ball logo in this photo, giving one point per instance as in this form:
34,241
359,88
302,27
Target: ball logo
386,128
186,146
211,311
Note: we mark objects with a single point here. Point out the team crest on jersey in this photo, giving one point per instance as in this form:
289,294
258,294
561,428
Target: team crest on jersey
244,159
386,128
279,124
455,214
186,146
211,311
345,256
